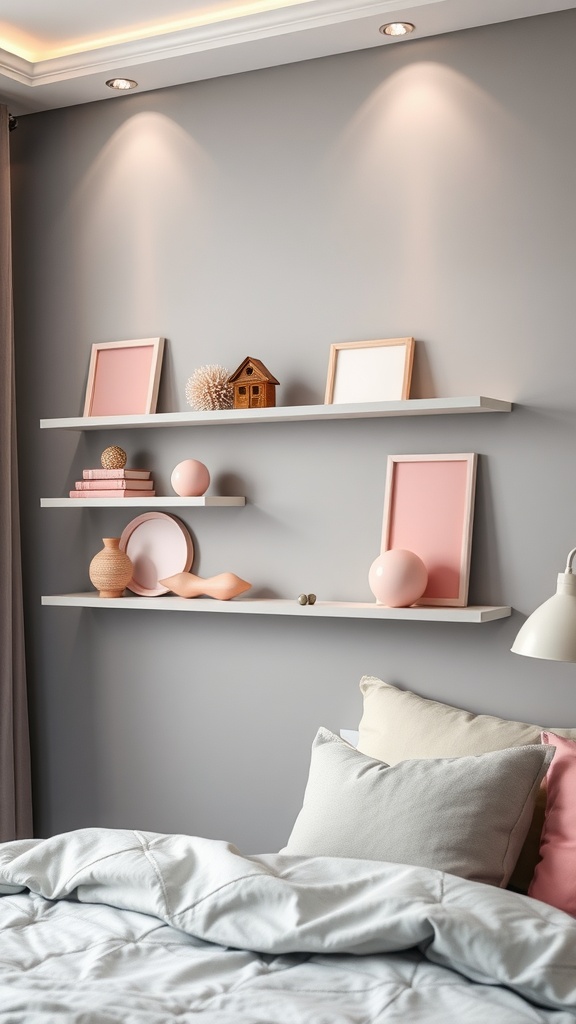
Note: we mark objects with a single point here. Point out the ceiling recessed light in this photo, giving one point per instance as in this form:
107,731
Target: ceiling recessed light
122,84
397,28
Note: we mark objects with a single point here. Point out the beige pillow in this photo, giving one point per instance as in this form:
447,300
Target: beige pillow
397,725
464,815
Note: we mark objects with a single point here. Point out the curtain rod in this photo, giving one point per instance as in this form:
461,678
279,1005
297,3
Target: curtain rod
12,122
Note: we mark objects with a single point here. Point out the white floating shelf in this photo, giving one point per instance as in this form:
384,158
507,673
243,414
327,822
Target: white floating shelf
264,606
206,501
286,414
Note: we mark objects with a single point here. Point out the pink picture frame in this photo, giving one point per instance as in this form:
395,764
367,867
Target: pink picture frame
429,509
124,377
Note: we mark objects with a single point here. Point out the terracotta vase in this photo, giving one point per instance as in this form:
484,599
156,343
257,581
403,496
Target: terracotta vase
110,570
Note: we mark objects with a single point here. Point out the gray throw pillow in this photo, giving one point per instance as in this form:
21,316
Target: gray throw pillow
464,815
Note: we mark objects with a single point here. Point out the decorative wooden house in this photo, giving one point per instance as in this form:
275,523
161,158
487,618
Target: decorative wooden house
253,385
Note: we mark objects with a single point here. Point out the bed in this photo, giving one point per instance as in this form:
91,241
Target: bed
394,899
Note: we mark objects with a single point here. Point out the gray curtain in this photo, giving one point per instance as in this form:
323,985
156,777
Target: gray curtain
15,789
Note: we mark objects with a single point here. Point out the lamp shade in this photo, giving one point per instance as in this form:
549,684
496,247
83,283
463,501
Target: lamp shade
550,632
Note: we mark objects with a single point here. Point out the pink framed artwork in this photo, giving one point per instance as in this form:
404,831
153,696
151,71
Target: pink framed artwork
369,371
429,509
124,377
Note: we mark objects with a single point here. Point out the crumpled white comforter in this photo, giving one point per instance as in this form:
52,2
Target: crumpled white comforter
104,926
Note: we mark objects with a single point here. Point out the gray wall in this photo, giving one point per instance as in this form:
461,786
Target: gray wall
421,189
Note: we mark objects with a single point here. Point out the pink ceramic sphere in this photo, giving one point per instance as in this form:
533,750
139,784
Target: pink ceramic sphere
190,478
397,578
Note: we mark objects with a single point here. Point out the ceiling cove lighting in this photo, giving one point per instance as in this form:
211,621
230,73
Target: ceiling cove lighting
397,28
121,84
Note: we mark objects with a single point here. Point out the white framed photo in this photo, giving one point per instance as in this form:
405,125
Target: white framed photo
369,371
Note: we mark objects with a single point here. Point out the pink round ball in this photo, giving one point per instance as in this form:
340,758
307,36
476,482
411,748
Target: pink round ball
397,578
190,478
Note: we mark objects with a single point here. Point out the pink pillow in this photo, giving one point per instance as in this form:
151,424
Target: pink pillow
554,879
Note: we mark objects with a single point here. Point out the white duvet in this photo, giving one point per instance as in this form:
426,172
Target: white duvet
104,926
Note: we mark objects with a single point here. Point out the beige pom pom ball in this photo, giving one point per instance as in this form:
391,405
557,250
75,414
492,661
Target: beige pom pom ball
208,388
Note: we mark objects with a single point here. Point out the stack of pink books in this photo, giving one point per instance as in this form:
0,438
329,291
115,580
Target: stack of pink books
114,483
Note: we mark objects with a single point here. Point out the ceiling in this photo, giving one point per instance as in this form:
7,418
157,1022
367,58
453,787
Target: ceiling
60,53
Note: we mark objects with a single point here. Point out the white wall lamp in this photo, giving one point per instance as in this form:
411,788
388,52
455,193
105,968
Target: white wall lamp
550,632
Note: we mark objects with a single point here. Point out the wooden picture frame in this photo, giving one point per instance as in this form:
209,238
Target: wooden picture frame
124,377
429,509
369,371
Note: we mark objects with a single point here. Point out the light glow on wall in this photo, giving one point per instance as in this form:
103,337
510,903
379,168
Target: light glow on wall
149,182
420,160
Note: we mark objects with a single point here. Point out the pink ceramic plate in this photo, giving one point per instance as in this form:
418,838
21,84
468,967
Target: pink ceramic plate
159,546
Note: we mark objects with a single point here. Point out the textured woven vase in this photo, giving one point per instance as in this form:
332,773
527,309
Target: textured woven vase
110,570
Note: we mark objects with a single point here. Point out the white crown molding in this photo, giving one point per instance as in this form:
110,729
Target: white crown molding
16,68
303,31
316,14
